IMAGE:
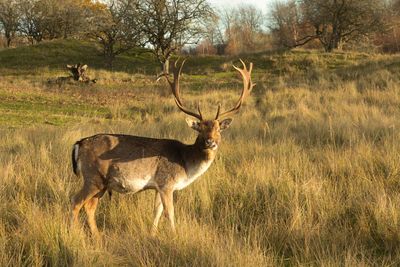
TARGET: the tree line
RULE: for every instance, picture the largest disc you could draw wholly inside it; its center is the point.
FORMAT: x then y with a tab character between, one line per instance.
168	25
116	25
332	24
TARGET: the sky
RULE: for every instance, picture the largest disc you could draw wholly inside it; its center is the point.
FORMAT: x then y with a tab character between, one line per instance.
261	4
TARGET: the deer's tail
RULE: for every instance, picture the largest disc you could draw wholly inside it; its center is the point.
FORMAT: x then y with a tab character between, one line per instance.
75	158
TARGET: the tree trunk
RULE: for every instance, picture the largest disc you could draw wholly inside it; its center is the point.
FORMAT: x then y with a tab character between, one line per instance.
327	48
166	66
109	55
8	38
334	40
110	59
332	44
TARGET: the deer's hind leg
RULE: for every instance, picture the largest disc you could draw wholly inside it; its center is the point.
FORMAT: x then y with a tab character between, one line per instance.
88	191
90	208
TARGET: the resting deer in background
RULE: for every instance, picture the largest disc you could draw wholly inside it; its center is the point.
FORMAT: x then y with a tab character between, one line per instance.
78	72
130	164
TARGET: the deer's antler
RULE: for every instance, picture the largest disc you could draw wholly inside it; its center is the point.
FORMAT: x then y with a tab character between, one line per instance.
247	87
175	90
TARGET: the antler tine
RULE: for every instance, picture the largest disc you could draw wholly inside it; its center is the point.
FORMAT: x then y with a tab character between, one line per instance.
177	73
244	65
247	87
218	110
198	109
188	112
175	90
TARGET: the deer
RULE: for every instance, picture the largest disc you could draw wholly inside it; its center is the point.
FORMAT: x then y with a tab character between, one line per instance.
78	72
131	164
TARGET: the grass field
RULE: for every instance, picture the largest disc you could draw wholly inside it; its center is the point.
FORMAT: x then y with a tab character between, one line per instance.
307	175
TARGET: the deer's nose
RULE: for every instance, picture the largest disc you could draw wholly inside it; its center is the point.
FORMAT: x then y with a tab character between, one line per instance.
209	142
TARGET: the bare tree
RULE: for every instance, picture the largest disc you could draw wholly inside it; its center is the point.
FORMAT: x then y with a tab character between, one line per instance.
213	39
390	41
331	22
228	18
74	15
250	20
116	28
51	19
9	19
41	19
169	25
32	20
212	30
243	29
285	22
339	21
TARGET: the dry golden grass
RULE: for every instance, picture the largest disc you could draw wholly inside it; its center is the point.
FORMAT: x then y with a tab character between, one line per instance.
307	175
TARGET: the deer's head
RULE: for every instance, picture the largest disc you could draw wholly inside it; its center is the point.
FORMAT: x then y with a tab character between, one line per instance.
209	131
77	71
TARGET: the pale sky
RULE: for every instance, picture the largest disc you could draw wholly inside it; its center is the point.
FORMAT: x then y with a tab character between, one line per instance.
261	4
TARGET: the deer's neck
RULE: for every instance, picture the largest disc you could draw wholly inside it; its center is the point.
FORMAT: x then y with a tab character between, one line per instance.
198	159
198	153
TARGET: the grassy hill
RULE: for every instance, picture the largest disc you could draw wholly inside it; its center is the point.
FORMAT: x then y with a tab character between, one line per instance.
308	174
54	55
26	70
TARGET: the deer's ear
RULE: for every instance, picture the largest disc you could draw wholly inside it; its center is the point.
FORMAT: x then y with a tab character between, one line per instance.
223	125
84	67
195	125
69	67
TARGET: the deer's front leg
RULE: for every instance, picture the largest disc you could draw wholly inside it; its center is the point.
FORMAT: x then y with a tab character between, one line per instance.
167	199
158	209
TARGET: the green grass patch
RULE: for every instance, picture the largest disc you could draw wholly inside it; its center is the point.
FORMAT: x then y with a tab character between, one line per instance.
55	55
19	109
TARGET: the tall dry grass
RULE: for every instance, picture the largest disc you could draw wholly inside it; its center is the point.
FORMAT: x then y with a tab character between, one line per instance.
307	175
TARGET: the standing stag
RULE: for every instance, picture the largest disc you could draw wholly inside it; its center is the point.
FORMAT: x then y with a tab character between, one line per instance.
130	164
